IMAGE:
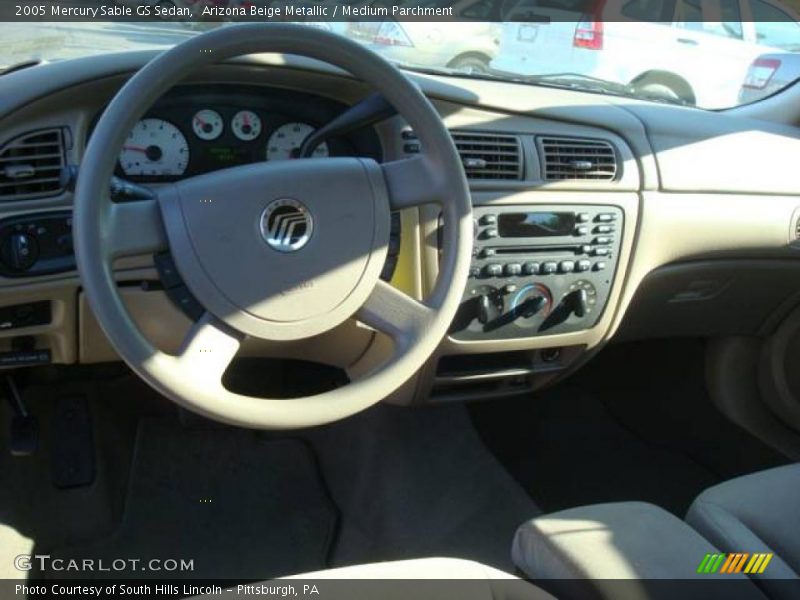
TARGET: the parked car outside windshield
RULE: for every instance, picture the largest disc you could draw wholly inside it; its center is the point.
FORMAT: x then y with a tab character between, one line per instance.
680	51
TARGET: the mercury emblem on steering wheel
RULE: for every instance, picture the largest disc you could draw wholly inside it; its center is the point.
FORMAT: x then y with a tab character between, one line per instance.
286	225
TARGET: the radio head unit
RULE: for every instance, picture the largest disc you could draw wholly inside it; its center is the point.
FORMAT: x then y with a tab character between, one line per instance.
541	270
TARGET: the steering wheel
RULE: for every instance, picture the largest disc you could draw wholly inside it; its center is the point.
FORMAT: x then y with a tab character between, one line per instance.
279	251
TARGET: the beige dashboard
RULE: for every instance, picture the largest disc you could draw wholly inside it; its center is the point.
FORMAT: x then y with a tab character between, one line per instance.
710	205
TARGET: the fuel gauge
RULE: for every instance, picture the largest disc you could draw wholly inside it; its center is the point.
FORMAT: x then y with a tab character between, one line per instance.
207	124
246	125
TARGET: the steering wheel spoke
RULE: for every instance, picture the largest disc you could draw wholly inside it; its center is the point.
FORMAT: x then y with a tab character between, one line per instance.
208	349
135	228
412	182
395	313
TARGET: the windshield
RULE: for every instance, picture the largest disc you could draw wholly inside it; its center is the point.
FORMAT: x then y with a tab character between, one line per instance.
710	54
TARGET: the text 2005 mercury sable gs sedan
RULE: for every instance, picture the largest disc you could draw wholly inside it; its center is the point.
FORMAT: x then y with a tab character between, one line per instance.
271	306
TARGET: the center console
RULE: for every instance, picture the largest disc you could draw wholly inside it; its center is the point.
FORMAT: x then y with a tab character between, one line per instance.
539	270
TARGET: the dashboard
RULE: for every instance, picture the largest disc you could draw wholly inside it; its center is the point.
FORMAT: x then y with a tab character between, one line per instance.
198	129
694	230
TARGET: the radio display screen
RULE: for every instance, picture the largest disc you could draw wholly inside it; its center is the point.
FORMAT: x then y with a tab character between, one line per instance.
535	224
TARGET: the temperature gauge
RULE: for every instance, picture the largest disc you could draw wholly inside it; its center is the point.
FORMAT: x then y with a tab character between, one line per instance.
246	125
207	124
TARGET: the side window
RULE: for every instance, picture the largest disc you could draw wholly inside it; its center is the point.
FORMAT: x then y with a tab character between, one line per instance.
689	15
775	28
643	10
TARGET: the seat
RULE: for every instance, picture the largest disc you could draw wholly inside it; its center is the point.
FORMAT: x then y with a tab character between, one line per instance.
423	579
757	513
621	549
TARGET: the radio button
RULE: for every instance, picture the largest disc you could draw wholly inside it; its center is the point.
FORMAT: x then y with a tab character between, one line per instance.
489	232
586	249
605	217
566	266
602	240
509	288
513	269
530	268
474	271
583	265
493	270
488	220
549	268
601	251
599	266
488	252
603	229
583	217
581	230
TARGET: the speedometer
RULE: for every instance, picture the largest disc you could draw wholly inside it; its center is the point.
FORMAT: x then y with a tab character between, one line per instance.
154	148
286	140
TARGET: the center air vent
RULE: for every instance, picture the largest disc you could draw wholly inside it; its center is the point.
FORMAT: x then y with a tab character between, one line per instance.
577	158
484	155
30	165
489	155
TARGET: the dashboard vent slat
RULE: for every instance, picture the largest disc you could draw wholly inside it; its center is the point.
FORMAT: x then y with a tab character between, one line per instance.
565	159
30	165
489	155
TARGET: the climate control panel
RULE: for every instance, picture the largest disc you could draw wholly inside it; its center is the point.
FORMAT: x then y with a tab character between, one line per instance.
539	270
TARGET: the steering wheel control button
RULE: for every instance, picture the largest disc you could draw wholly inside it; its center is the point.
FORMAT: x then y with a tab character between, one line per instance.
286	225
184	300
167	271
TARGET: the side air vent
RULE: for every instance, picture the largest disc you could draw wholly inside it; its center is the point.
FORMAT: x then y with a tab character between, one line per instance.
489	155
566	159
484	155
30	165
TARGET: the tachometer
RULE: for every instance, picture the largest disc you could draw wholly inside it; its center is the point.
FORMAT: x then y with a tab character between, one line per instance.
246	125
207	124
154	148
286	140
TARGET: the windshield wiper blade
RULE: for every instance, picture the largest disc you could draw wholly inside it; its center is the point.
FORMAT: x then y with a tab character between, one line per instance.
448	72
20	66
579	80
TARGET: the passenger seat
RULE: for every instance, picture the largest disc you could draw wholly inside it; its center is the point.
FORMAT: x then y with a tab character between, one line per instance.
757	513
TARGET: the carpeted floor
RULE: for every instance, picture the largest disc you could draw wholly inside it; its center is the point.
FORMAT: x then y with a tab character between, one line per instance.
389	483
634	424
239	506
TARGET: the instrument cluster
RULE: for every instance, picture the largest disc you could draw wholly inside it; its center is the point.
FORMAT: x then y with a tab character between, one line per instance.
198	129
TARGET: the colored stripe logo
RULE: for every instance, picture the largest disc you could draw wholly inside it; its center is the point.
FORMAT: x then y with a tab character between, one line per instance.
734	562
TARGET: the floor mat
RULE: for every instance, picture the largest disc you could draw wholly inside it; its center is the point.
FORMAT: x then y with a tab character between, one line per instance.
238	506
417	482
652	435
